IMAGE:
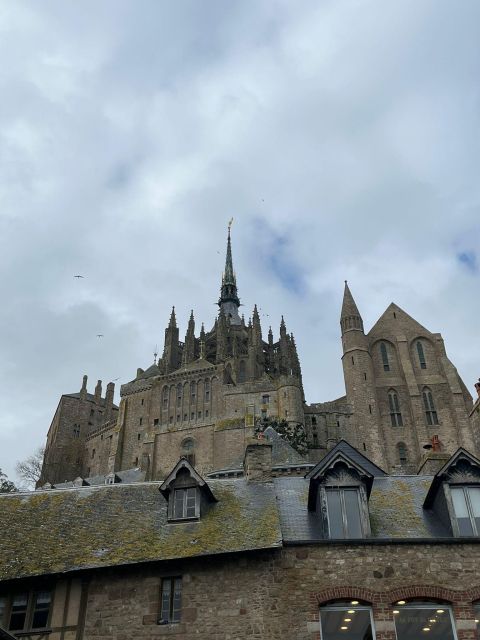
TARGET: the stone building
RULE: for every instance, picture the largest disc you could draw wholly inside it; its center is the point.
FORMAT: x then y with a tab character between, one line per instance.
204	396
345	551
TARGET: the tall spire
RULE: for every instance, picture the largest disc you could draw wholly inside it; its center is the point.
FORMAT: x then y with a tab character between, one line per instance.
229	301
350	317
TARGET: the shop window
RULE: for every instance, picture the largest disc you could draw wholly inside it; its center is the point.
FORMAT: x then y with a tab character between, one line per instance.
422	620
346	620
171	600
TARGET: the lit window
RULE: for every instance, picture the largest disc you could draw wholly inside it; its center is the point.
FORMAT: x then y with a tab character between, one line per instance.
345	620
343	510
430	411
25	611
423	619
476	609
185	503
395	413
384	354
466	504
421	355
171	600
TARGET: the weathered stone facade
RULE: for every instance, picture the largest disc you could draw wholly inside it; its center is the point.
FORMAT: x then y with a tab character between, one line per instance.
203	397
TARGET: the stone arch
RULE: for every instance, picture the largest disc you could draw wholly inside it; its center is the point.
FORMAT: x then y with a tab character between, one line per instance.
427	592
427	349
381	348
345	593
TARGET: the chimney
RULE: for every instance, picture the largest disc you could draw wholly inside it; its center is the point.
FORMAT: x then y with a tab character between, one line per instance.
109	400
98	392
477	387
83	390
257	464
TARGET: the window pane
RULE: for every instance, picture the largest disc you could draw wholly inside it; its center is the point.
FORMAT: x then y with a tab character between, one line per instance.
191	503
165	604
334	514
3	606
412	622
339	623
177	600
474	494
354	525
41	609
461	511
178	503
19	611
476	609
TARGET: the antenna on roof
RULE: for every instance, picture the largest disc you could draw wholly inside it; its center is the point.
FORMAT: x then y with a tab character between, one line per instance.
155	354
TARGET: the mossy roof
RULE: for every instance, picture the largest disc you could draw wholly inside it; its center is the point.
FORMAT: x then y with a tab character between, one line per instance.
87	527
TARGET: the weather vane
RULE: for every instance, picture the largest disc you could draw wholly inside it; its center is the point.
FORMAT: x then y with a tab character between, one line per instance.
155	354
230	224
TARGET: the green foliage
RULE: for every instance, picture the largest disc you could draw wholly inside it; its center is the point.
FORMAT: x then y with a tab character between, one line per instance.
6	486
292	433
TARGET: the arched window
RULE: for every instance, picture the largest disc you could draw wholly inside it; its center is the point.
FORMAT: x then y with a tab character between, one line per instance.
421	355
430	411
394	405
165	397
384	354
348	619
402	453
241	371
418	619
207	390
179	394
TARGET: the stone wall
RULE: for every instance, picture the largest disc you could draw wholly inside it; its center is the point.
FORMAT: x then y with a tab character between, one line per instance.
277	595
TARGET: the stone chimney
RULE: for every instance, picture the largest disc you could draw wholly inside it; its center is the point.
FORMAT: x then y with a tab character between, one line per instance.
432	462
83	390
257	464
109	400
98	392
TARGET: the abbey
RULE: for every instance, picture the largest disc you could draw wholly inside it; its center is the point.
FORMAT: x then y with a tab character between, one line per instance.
405	405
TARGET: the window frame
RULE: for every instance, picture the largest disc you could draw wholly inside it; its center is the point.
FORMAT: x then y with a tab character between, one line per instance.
344	514
431	413
396	418
421	355
384	356
173	515
454	517
30	609
171	581
346	607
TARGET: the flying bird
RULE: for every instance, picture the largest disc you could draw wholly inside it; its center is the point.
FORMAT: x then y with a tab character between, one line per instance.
78	276
99	335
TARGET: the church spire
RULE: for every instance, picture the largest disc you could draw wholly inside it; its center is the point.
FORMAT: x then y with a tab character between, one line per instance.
229	301
350	317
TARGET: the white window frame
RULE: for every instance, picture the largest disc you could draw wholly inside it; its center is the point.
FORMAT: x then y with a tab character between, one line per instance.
432	606
345	608
476	532
342	490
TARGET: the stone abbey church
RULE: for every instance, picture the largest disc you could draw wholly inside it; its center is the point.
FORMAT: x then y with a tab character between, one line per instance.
404	403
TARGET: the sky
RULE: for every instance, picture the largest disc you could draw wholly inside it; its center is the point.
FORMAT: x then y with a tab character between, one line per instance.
342	136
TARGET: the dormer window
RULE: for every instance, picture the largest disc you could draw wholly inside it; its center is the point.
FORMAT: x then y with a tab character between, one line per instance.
343	508
339	489
466	505
186	503
186	492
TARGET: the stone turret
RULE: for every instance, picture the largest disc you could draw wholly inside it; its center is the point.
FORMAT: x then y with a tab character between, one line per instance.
229	301
189	347
171	348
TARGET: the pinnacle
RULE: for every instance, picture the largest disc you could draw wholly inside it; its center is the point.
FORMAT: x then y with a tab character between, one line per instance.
173	320
349	308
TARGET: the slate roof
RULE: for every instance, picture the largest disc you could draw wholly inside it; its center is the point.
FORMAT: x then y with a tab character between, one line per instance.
127	476
353	454
63	530
395	507
282	452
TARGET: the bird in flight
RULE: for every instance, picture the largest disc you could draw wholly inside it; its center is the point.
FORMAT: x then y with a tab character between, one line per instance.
99	335
78	277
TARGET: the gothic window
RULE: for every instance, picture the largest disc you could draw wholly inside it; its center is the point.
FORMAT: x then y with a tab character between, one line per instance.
179	394
343	510
165	397
242	371
430	410
384	354
421	355
346	619
171	600
26	610
402	453
207	390
419	619
394	406
466	504
193	390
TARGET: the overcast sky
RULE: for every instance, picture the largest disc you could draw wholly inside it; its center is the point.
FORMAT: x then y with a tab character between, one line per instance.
341	135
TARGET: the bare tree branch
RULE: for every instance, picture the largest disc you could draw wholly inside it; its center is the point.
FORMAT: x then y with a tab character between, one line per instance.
29	470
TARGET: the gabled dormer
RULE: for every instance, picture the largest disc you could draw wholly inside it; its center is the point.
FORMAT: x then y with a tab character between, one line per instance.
187	493
454	494
339	490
